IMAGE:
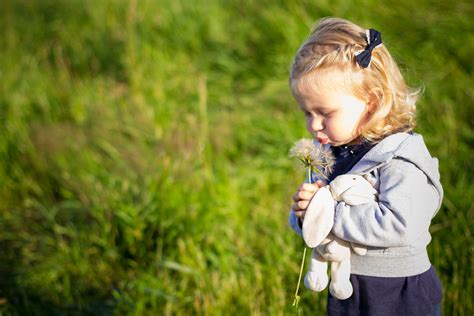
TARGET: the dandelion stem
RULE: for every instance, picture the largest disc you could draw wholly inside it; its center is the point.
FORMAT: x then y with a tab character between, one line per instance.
297	297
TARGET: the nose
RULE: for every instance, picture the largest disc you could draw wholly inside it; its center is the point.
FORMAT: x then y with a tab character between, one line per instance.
315	123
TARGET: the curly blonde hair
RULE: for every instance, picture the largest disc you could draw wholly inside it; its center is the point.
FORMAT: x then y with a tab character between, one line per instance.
332	45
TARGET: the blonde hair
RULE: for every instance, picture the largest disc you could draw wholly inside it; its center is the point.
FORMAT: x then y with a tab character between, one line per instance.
332	45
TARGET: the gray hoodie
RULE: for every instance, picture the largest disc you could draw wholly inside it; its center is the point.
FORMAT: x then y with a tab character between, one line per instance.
395	228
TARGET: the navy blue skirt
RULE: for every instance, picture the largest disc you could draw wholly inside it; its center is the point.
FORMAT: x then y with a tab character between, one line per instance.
415	295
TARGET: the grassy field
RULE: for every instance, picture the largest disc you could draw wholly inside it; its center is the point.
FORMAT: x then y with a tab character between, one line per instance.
143	151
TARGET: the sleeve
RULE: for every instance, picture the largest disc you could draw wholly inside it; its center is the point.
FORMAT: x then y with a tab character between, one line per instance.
406	203
295	223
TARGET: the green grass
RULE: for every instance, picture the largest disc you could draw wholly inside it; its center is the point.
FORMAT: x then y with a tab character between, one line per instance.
143	151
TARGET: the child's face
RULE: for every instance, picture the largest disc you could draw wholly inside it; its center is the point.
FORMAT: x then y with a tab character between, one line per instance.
333	116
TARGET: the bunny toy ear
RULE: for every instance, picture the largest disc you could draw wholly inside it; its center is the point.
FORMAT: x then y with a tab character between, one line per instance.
319	218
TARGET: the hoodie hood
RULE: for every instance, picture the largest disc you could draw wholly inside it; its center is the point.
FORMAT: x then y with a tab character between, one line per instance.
407	146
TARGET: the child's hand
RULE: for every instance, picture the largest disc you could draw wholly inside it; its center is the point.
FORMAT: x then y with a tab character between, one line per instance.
303	196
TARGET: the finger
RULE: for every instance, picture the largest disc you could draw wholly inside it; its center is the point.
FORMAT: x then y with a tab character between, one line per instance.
321	183
302	205
300	214
308	187
303	195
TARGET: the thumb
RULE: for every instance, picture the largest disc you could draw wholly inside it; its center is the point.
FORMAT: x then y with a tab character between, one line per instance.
320	183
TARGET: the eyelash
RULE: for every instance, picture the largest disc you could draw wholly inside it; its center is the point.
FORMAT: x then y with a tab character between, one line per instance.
326	114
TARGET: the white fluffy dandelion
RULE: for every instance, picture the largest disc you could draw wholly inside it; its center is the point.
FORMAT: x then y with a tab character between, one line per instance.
313	156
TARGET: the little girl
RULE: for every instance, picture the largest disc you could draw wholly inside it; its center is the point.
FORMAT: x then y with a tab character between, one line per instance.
355	100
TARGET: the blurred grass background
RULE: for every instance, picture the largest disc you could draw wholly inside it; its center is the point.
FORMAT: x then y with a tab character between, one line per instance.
143	151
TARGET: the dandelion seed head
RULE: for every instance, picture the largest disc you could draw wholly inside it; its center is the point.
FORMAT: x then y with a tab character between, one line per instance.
303	149
313	155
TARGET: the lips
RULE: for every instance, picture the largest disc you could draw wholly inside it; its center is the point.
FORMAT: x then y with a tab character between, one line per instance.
323	141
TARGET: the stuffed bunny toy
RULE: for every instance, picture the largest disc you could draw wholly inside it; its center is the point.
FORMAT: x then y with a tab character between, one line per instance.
317	224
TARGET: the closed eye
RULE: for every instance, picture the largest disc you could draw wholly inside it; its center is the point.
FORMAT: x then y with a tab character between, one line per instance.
327	114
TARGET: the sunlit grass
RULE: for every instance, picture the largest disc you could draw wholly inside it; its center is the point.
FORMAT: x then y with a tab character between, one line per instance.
144	147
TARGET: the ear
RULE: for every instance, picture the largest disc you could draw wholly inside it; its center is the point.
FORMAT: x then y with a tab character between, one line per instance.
319	217
371	103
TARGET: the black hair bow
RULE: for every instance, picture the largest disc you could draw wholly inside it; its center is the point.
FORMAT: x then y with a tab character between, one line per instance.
374	40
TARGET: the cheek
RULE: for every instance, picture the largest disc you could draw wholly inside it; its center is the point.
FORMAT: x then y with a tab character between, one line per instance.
336	122
350	121
353	119
342	127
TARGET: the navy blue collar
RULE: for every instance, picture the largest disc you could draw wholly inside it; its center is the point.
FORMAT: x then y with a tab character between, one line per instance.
351	150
